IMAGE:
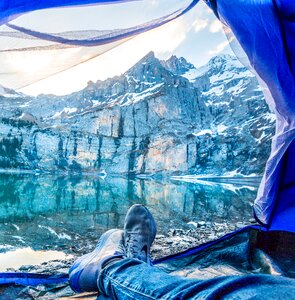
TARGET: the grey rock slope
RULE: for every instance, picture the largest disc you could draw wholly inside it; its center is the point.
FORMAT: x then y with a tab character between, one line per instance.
160	117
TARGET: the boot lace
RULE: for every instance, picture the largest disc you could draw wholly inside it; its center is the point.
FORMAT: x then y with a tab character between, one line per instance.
133	249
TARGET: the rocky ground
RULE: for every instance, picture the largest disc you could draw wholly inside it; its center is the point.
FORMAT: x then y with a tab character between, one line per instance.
174	241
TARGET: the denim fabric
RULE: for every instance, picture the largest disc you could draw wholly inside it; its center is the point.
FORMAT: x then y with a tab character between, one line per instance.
132	279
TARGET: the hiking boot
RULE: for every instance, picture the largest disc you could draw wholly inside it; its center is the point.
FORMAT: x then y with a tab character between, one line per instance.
139	233
86	269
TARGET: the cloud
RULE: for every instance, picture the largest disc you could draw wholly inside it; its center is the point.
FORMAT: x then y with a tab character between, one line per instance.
166	38
215	26
155	2
200	24
219	48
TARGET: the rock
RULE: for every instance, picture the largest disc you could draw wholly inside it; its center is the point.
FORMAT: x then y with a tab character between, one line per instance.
211	236
193	224
26	268
208	224
240	225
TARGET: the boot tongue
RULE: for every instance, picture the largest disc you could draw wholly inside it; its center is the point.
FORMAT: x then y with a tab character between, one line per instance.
111	260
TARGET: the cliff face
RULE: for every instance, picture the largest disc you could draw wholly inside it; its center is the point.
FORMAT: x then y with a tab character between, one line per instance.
164	117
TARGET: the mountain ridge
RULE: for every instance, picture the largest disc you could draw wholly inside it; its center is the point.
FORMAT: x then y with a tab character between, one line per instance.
159	117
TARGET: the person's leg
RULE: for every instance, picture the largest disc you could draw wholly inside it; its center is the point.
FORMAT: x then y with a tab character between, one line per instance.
120	268
85	270
132	279
135	242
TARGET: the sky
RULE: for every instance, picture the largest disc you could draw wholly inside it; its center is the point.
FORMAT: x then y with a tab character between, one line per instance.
197	36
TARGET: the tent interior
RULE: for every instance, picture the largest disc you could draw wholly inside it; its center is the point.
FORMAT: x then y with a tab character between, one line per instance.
31	52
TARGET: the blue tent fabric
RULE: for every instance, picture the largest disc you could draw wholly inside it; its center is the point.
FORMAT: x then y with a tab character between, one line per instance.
31	279
264	33
286	9
284	212
12	9
252	249
114	36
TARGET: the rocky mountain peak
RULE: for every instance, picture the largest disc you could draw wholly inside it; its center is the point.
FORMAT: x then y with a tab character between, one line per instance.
9	92
148	57
148	69
225	62
218	61
178	66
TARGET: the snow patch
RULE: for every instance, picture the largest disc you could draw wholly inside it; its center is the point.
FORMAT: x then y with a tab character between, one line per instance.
16	227
53	232
132	98
205	180
203	132
2	91
66	110
194	73
221	128
213	132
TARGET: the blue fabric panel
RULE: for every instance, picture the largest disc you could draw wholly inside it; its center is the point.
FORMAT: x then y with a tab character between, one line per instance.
204	246
10	9
284	216
15	7
289	169
266	38
284	213
115	36
31	279
286	9
290	42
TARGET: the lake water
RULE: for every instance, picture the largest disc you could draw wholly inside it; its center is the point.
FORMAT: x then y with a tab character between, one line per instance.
60	213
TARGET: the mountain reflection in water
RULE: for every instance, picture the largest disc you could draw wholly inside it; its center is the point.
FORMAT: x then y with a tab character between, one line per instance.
55	212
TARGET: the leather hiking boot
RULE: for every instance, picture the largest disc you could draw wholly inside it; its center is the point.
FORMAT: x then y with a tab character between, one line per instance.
139	233
86	269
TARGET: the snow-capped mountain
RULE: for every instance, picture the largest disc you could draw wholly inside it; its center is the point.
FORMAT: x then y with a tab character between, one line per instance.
158	117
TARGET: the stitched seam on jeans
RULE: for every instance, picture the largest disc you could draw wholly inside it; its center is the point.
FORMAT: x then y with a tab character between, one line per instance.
129	288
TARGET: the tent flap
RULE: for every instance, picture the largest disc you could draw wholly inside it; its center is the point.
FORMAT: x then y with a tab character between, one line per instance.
250	250
260	26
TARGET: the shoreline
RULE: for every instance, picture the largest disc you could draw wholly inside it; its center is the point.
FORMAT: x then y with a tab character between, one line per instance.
165	244
163	175
174	241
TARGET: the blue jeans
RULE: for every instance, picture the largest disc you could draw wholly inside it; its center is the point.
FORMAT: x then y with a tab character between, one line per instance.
132	279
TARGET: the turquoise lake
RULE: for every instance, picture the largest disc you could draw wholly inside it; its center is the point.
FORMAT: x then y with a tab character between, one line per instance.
61	213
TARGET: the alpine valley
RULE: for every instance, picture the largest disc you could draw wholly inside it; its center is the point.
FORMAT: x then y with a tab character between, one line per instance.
158	118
